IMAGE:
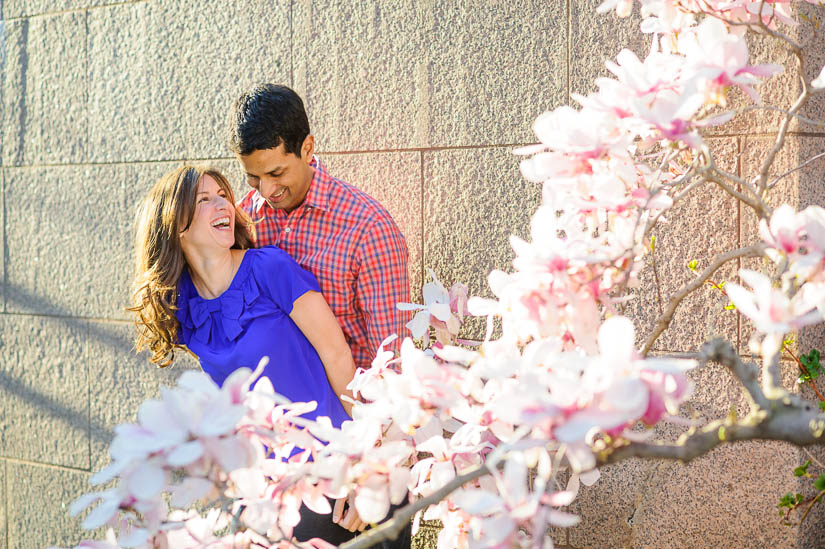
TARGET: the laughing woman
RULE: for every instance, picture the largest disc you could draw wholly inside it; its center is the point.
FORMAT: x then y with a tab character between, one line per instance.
201	286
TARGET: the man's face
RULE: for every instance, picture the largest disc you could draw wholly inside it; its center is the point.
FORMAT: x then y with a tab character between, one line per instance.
282	178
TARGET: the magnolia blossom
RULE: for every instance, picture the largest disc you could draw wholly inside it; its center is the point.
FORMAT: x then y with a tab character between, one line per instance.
771	310
719	59
563	373
442	309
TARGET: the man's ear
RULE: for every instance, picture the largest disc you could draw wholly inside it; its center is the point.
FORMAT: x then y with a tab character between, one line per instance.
308	148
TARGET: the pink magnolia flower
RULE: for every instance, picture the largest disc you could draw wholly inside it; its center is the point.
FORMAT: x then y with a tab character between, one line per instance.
785	231
623	7
442	309
771	311
717	59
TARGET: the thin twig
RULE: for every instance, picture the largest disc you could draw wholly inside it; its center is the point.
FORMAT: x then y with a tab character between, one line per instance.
813	502
789	172
804	370
777	109
390	529
656	280
797	106
813	458
665	319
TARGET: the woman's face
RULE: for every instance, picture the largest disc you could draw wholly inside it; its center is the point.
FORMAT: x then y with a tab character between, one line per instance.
213	225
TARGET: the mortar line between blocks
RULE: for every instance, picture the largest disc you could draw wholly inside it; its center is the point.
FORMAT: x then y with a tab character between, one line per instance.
88	393
5	238
87	146
569	48
223	158
421	202
738	238
102	320
6	499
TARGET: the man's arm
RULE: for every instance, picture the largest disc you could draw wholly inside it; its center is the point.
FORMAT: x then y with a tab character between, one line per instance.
382	283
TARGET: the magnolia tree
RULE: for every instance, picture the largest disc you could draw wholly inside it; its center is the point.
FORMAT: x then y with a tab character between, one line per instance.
477	435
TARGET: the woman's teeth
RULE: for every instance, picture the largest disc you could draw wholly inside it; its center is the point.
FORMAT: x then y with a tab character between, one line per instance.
222	223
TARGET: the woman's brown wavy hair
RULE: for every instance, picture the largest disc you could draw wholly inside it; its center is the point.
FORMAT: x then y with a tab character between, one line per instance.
166	212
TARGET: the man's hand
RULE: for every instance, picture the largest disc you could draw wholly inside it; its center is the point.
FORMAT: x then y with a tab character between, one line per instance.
344	514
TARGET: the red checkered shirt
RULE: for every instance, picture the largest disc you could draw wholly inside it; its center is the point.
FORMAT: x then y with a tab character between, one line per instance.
355	250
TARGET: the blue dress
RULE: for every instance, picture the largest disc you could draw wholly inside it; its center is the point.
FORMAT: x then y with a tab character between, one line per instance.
251	320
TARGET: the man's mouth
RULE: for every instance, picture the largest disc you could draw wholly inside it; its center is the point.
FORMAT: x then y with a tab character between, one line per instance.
277	197
221	223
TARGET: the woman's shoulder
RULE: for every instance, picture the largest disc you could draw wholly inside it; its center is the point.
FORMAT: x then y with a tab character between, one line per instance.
269	257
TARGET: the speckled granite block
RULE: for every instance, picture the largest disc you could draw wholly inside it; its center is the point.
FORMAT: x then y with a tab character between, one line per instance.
180	67
45	389
49	524
423	73
473	200
44	91
394	180
701	227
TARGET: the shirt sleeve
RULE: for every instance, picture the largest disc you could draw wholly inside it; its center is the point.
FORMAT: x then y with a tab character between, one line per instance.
282	277
382	282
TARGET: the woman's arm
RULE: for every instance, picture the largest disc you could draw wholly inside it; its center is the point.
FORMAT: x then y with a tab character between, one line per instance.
314	318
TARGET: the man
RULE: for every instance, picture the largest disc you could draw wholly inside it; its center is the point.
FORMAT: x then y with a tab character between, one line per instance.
334	230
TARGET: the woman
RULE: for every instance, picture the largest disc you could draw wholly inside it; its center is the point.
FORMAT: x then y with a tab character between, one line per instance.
200	286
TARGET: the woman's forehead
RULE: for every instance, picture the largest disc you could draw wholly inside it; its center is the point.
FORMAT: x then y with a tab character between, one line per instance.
207	183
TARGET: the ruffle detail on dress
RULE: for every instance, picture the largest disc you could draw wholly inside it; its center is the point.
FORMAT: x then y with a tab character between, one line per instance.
232	310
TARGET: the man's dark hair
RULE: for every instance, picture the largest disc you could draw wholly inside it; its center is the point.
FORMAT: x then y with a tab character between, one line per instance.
265	116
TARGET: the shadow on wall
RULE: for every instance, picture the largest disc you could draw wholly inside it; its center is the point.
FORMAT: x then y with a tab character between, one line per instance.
110	386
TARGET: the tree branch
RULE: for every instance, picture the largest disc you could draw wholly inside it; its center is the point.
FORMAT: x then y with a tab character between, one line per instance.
756	204
797	106
665	319
747	373
786	420
389	530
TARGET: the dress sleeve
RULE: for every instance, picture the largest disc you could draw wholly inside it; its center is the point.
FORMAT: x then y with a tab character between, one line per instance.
382	283
277	274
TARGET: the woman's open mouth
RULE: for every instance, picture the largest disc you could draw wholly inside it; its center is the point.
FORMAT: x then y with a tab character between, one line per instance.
222	223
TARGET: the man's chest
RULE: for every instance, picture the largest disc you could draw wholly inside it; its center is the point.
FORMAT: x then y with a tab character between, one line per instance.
325	246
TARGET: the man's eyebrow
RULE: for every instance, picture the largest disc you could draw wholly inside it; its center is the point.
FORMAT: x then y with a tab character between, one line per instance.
268	172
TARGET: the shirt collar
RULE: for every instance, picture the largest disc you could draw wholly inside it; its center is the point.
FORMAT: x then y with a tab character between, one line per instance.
317	194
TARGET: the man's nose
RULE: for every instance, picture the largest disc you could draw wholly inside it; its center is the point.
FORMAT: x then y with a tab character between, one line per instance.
265	187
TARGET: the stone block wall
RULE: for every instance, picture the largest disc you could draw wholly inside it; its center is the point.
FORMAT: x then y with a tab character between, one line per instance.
418	102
